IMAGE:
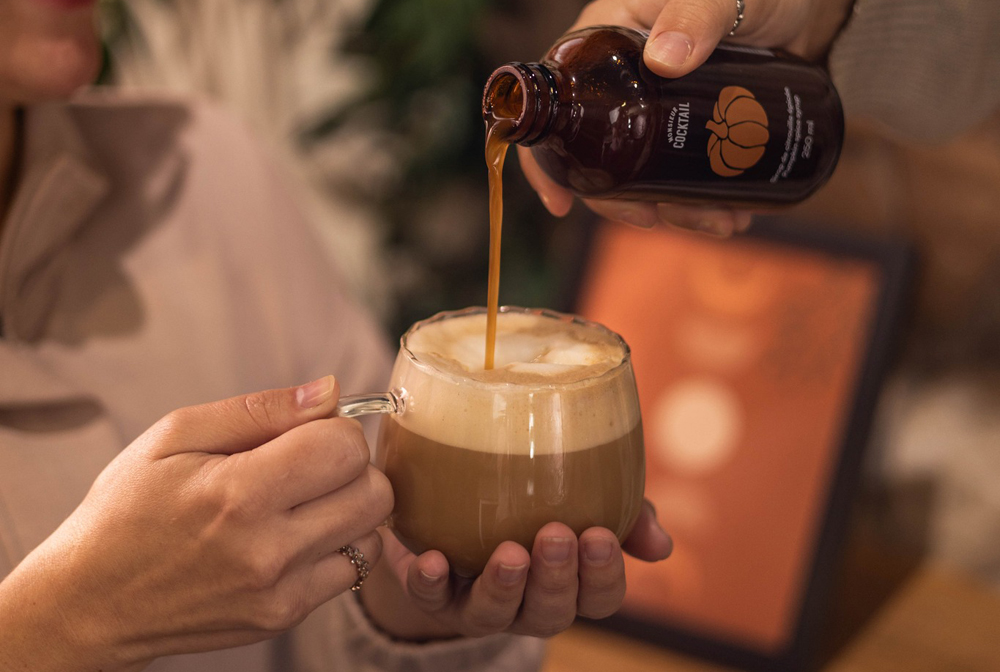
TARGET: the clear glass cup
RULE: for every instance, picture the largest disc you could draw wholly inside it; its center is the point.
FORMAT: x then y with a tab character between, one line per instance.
474	463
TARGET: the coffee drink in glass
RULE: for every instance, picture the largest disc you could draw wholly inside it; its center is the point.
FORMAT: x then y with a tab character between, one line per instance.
477	457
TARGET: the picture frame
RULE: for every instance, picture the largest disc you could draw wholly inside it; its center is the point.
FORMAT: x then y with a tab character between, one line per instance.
783	634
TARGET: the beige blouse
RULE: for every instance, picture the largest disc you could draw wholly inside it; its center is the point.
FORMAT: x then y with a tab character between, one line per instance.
152	259
925	70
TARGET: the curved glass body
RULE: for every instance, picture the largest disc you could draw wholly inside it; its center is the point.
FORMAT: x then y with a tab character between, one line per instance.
476	462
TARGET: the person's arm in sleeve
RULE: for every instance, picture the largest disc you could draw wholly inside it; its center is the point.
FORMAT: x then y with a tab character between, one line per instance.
341	636
923	69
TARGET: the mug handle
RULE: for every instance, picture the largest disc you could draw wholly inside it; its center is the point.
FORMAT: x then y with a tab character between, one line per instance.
366	404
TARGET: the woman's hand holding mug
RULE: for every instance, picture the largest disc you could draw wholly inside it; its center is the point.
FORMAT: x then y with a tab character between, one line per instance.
538	594
483	461
219	526
223	524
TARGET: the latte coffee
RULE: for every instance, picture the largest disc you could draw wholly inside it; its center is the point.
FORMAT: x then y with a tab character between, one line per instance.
551	433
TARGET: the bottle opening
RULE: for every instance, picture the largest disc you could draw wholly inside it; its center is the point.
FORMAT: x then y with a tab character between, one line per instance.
504	98
517	101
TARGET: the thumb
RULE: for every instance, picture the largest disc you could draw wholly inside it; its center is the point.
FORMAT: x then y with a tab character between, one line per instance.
648	541
242	423
686	32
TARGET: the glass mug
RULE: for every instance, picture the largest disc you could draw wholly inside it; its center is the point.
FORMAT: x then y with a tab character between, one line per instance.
479	457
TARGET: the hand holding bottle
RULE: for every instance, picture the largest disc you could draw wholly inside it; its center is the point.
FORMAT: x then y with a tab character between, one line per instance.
682	35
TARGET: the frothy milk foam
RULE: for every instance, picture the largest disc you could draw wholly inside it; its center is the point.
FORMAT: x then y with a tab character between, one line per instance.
556	385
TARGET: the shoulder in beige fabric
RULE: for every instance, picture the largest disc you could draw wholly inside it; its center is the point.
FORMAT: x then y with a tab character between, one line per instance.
926	70
152	259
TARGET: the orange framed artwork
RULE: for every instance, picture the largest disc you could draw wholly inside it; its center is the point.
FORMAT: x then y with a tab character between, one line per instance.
758	362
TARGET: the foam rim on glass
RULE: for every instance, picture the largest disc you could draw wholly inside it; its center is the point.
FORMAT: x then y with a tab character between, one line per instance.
430	369
394	401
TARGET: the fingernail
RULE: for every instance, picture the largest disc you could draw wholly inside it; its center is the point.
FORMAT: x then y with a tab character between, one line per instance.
555	551
669	543
636	215
511	576
714	228
429	579
670	49
667	212
742	220
597	551
315	393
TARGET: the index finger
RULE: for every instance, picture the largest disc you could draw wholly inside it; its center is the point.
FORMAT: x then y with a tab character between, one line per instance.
638	14
241	423
557	200
682	33
304	463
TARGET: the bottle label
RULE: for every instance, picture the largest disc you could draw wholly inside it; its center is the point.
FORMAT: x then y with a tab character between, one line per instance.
799	137
739	132
679	125
742	133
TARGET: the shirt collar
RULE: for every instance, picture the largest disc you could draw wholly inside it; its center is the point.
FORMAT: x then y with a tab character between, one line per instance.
61	186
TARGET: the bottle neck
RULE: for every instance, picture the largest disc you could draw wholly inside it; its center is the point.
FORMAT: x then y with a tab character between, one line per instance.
519	102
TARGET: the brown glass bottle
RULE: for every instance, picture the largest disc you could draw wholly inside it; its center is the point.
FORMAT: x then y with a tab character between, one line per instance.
746	128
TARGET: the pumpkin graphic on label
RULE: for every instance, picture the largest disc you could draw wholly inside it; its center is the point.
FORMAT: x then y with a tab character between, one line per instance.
739	132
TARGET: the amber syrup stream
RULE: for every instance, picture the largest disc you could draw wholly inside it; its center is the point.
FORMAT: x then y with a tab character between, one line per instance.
501	109
496	152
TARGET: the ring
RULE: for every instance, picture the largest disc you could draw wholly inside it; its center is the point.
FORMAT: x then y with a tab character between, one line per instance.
741	5
357	559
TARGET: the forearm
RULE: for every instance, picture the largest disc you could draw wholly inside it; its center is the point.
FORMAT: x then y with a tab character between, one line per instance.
348	640
41	631
33	635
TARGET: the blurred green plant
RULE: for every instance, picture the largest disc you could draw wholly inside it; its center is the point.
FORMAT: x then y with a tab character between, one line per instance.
428	69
